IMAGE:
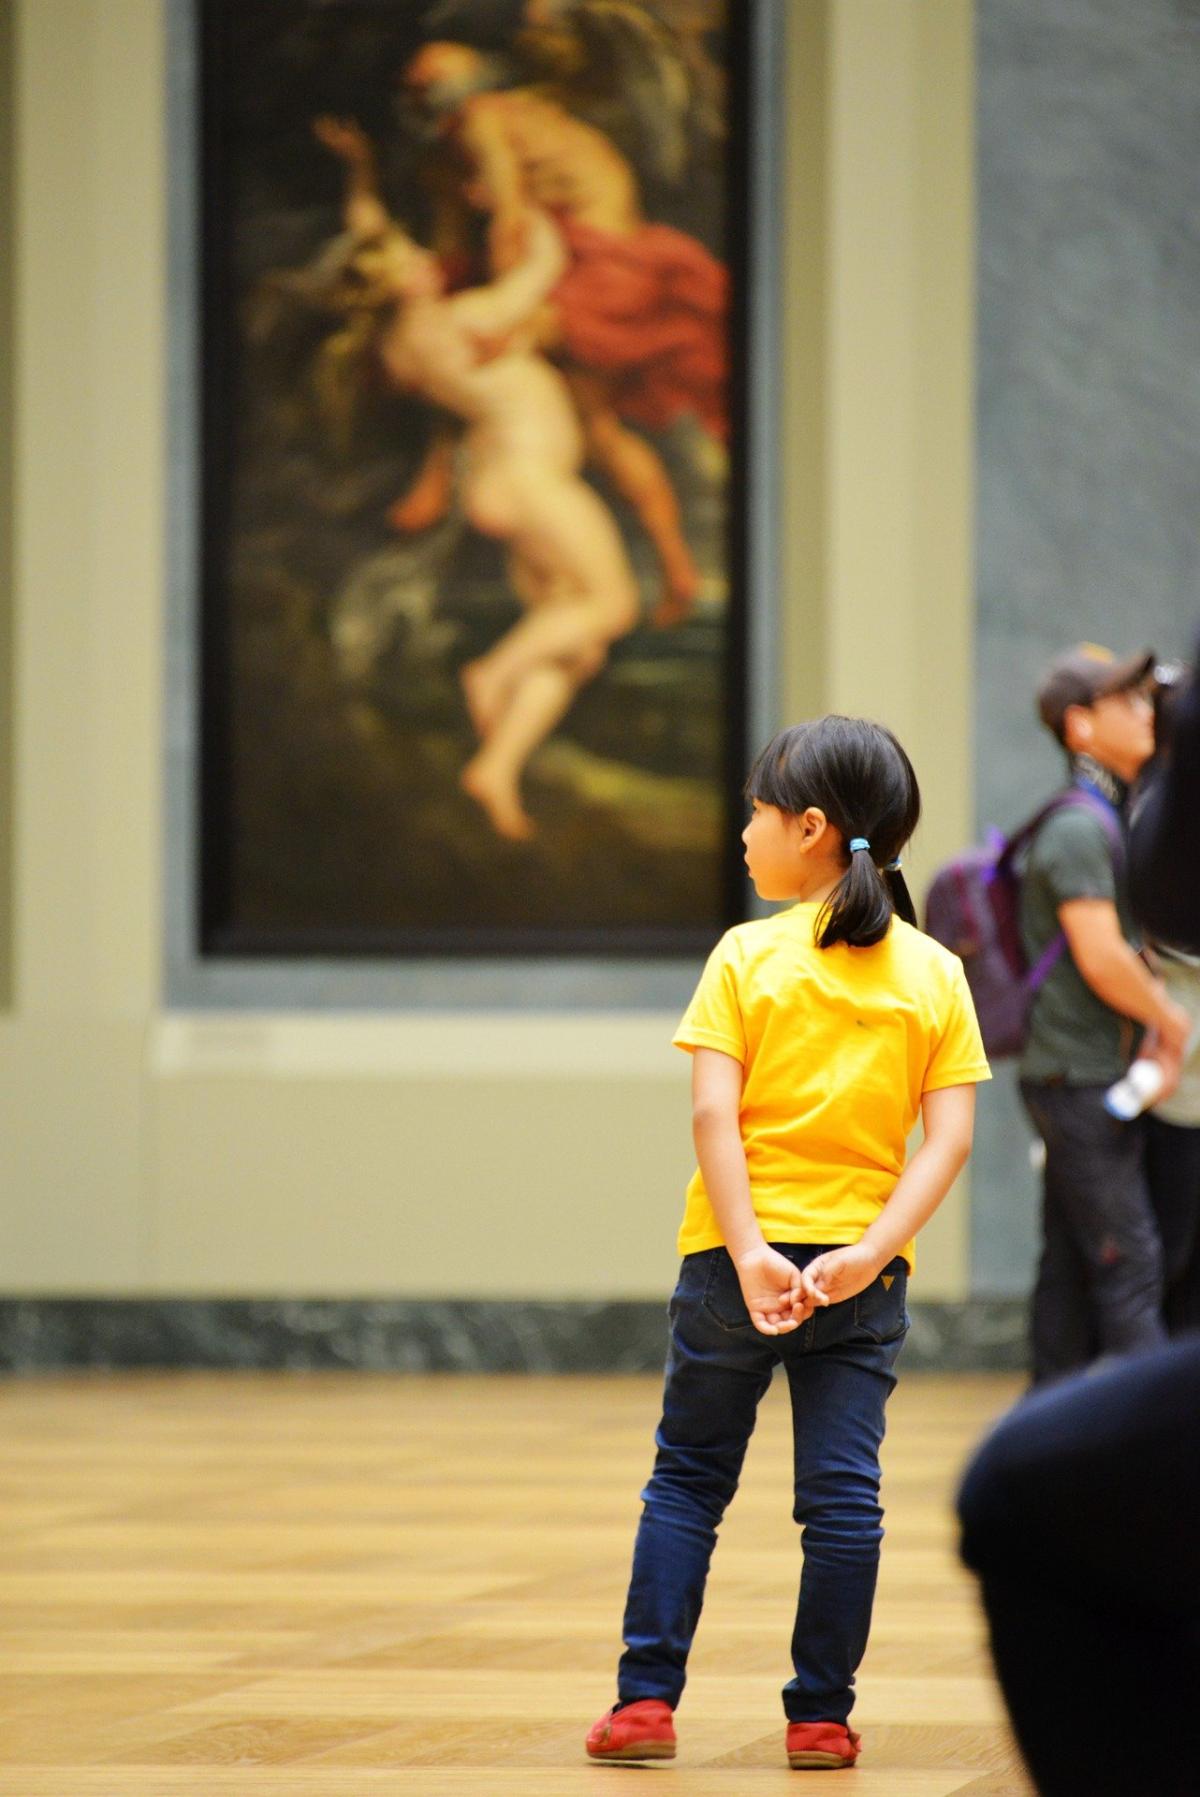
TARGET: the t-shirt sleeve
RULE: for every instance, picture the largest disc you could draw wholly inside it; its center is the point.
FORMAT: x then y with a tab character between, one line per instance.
958	1058
1073	858
714	1017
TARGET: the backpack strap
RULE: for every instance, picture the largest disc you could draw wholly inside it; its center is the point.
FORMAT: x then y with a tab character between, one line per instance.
1021	838
1046	962
1053	952
1101	809
1070	795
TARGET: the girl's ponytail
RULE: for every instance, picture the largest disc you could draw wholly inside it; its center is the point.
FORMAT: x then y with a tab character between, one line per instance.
859	776
859	909
901	898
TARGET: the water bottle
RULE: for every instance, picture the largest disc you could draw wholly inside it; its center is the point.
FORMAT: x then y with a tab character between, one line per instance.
1135	1091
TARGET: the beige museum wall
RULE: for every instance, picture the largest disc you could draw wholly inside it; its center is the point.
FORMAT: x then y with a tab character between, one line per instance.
150	1152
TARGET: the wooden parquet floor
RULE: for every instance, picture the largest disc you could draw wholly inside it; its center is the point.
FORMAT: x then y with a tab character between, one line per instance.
290	1585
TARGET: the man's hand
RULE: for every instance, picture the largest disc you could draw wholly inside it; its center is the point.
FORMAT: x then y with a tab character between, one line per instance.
840	1274
771	1287
1173	1030
1156	1047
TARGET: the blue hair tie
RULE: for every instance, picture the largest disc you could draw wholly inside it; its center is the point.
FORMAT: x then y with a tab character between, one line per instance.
857	843
893	867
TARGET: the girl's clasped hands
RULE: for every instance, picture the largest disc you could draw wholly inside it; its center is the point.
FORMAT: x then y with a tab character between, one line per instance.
781	1296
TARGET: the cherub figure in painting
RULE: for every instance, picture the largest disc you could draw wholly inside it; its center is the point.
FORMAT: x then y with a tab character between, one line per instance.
638	316
474	353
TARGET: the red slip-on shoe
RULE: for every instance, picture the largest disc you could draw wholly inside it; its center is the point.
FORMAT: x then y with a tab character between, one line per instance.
641	1731
821	1746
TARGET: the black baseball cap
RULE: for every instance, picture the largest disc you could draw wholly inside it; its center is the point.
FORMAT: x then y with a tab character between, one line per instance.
1088	672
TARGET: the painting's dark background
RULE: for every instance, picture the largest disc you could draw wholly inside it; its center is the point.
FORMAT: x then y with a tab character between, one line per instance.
331	816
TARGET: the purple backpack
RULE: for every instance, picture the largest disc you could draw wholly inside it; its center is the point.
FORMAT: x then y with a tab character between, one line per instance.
972	907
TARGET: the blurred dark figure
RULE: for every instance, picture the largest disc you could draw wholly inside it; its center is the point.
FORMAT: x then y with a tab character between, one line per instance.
1079	1512
1165	847
1172	1126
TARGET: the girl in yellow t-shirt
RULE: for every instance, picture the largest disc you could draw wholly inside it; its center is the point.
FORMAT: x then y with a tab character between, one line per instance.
818	1035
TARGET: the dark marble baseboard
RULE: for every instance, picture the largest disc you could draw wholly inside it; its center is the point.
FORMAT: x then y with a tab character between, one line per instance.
423	1335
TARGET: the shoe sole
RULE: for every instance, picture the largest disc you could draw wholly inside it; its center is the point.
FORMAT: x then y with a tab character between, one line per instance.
818	1762
646	1750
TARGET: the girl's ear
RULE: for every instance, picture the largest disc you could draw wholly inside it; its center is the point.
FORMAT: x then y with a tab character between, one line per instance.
814	827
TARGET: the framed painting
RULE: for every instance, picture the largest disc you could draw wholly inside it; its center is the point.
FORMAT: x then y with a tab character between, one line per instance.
474	283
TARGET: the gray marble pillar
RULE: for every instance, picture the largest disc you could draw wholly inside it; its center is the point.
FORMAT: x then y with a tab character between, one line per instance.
1088	432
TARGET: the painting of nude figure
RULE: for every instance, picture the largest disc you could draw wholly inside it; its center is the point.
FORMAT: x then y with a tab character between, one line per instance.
472	357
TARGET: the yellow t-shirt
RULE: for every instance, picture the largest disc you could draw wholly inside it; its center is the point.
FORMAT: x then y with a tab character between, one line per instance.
837	1046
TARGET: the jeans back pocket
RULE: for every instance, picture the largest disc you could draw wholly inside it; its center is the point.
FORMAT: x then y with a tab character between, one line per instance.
723	1293
880	1311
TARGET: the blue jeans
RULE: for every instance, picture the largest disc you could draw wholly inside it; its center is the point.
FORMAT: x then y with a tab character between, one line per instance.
839	1370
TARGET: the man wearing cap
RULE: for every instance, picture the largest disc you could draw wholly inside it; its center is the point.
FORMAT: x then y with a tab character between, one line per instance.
1099	1282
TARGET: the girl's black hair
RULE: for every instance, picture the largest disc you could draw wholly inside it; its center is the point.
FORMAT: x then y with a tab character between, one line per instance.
859	776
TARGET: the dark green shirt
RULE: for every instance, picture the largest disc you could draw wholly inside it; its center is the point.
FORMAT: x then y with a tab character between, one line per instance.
1073	1036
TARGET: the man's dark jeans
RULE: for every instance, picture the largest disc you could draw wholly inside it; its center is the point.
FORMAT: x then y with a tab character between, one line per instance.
1079	1515
839	1370
1099	1281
